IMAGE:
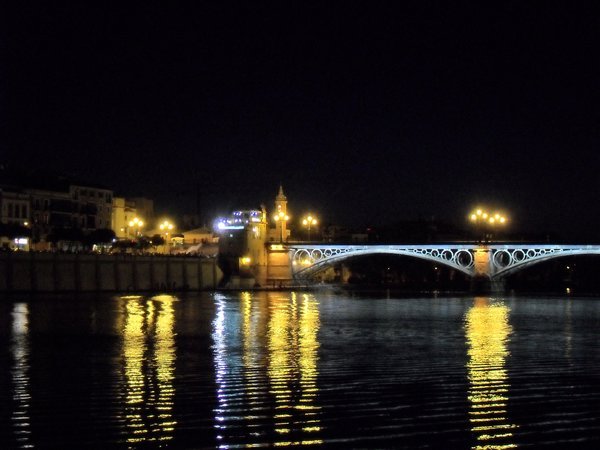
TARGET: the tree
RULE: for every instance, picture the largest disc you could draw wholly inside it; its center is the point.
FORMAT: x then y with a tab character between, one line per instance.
144	243
157	240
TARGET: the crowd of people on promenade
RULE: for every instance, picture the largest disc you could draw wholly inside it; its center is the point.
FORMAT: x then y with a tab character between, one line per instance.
117	252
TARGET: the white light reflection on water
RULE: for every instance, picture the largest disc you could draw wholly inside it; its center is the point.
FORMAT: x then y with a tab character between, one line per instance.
21	420
220	356
279	331
149	369
487	332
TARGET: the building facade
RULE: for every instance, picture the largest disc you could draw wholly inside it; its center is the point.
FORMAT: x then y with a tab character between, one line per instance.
125	212
54	207
94	206
15	207
15	220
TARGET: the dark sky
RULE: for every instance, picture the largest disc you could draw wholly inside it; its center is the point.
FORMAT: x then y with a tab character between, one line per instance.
367	112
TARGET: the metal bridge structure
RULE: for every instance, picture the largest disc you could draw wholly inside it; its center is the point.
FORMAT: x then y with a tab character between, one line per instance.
494	261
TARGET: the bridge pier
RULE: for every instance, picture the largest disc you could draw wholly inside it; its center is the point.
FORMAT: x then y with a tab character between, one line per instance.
498	285
482	262
483	284
480	284
279	269
482	280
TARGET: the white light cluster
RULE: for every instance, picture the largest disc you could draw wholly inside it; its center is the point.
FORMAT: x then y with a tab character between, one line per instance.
238	220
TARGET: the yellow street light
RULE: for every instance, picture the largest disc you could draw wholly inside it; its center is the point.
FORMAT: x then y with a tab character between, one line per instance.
485	217
166	227
308	222
282	218
136	223
485	220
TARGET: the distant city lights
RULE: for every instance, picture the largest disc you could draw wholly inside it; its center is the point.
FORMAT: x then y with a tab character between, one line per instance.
238	220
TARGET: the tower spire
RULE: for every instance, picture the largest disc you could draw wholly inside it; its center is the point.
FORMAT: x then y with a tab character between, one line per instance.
280	195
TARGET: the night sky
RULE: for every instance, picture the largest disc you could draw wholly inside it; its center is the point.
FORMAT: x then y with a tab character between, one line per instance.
367	112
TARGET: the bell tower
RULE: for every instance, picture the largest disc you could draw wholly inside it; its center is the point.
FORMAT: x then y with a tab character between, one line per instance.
279	269
281	217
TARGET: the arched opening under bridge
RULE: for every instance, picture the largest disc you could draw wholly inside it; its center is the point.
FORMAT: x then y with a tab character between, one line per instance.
395	271
484	264
574	274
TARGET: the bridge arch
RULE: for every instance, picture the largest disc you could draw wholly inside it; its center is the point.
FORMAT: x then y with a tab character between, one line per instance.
495	261
311	259
507	261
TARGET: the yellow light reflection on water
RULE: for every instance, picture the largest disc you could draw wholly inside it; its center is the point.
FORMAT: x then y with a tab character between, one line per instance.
133	351
251	355
309	346
279	367
149	369
293	355
487	332
164	357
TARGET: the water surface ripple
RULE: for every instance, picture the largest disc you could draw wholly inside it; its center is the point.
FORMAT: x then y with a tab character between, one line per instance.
296	369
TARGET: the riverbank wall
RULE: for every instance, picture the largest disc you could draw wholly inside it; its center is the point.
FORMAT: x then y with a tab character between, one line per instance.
63	272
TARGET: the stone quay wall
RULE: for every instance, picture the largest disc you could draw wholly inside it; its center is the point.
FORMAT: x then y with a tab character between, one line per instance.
63	272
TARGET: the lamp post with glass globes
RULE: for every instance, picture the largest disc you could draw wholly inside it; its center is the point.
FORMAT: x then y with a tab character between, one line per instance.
136	224
280	219
165	228
485	222
308	222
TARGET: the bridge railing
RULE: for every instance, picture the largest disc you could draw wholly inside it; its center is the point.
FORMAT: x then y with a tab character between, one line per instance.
494	260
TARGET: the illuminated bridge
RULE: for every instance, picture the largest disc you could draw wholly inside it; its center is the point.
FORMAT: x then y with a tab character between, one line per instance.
494	261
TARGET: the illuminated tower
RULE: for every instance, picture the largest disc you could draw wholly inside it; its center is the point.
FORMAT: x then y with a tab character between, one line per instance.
281	216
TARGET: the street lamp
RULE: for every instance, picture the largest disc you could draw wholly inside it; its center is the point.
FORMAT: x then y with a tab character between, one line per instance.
308	222
165	228
136	224
281	218
486	221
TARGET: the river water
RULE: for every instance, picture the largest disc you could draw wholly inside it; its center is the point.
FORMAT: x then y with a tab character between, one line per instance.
321	369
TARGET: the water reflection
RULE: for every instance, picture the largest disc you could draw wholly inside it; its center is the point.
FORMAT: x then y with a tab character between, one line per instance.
252	357
149	364
20	418
487	333
292	366
568	330
267	341
220	352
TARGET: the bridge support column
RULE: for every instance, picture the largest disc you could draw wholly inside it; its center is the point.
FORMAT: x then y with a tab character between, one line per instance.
487	285
481	282
260	274
279	268
482	262
498	285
